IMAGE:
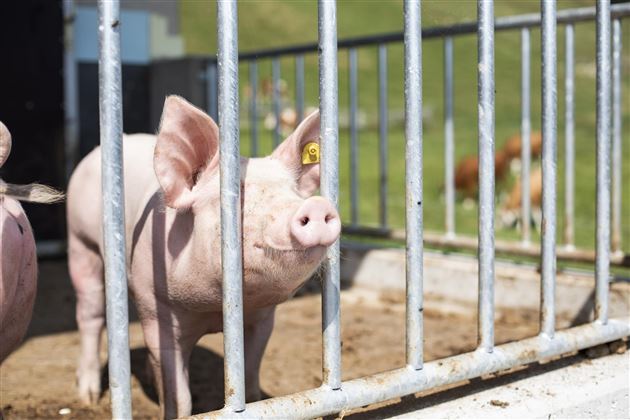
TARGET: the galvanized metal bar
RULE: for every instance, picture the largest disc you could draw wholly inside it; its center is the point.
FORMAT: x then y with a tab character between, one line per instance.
112	180
602	229
354	134
549	131
299	86
569	137
617	175
211	89
70	90
383	128
329	186
449	141
230	172
501	24
526	132
413	181
253	107
405	381
485	15
275	76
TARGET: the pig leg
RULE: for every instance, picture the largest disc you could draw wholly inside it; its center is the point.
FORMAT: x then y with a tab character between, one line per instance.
169	356
86	271
256	338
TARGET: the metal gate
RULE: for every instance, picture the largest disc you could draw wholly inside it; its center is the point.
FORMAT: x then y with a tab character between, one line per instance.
334	395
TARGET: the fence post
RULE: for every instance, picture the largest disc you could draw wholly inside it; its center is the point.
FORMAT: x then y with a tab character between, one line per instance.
230	172
253	114
617	174
354	146
413	182
329	186
526	132
449	140
602	259
569	138
114	249
485	13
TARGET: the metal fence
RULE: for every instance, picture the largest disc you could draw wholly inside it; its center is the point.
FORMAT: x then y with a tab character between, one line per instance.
334	395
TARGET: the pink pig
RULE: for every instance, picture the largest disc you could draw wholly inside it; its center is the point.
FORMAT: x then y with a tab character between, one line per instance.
18	259
174	244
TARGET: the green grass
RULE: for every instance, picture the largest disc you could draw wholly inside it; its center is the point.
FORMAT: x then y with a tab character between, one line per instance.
266	24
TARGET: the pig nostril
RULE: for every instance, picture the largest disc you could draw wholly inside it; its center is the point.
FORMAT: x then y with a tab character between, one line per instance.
328	218
304	221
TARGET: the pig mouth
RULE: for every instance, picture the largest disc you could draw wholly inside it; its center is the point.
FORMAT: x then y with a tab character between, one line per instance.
288	250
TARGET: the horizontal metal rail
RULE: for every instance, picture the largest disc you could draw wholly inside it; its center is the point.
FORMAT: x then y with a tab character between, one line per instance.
465	28
501	246
405	381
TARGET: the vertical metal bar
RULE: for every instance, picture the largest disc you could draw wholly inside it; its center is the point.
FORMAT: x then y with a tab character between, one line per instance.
329	186
413	182
549	130
354	147
526	132
485	17
299	86
110	107
449	142
231	255
602	259
616	152
70	90
569	137
275	76
253	114
211	89
382	130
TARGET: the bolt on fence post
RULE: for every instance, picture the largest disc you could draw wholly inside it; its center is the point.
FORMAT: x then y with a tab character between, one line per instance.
526	132
413	182
354	147
329	186
383	127
569	138
211	88
114	249
299	87
485	13
253	114
70	90
617	175
549	130
602	259
449	142
230	181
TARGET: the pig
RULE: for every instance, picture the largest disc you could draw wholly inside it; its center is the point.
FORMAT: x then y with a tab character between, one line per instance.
467	173
174	244
18	258
513	146
510	210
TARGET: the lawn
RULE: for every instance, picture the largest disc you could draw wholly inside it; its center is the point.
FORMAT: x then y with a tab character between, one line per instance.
266	24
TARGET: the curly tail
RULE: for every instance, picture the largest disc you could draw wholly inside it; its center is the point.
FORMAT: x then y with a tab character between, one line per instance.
33	193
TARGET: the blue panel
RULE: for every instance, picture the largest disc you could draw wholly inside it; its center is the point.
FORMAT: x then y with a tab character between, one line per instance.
134	35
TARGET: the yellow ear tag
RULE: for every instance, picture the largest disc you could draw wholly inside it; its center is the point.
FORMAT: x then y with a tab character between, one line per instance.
310	153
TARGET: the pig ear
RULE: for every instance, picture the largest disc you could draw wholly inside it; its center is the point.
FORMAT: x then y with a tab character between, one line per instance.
301	156
186	145
5	143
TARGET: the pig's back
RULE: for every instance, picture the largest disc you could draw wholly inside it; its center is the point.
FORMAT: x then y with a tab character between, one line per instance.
85	193
18	275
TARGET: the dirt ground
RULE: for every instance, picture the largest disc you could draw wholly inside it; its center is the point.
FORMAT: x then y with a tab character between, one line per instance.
37	381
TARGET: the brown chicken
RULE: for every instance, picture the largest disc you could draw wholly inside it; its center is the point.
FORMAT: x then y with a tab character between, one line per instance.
513	145
511	208
467	173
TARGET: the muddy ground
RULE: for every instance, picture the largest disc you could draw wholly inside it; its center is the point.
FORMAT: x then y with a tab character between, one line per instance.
37	381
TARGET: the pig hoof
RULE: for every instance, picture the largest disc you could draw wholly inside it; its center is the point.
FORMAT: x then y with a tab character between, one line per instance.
89	384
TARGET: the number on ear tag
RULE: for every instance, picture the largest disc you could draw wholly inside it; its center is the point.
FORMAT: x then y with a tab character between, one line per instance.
310	153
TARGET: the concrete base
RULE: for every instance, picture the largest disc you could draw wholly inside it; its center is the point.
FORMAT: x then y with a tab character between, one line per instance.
585	388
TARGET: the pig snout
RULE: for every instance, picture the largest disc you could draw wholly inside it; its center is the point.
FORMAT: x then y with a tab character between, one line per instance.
315	223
